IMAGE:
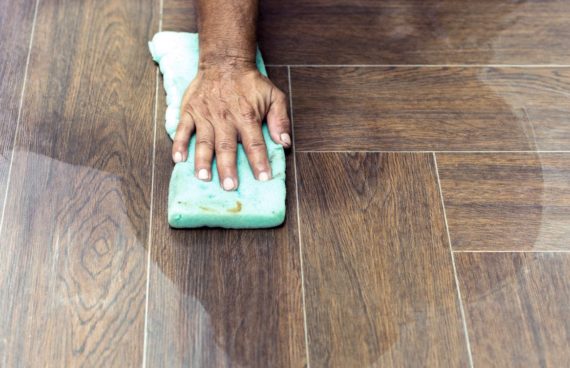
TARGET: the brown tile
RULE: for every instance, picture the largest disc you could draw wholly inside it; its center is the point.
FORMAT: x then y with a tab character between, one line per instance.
507	201
431	108
16	20
73	260
179	16
379	285
517	308
415	32
221	298
404	31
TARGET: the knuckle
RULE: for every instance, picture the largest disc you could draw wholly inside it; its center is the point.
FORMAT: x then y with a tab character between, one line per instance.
224	114
180	138
281	96
255	146
205	142
187	109
283	122
249	116
178	147
225	145
183	128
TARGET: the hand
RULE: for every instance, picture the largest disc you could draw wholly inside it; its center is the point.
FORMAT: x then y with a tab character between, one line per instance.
224	105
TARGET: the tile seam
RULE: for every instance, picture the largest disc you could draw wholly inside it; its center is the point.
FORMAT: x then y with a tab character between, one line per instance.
456	277
151	210
298	220
19	116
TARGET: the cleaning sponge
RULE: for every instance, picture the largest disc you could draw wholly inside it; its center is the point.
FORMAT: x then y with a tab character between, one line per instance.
195	203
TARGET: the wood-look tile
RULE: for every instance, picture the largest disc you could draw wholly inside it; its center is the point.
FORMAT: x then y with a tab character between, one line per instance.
507	201
517	308
379	284
73	260
16	20
221	298
404	31
431	108
415	32
179	16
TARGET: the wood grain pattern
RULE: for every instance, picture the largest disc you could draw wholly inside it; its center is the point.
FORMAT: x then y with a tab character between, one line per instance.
415	32
379	286
439	108
507	201
16	20
179	16
404	31
73	260
517	308
221	298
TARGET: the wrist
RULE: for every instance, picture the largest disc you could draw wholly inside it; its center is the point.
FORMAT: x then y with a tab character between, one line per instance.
224	62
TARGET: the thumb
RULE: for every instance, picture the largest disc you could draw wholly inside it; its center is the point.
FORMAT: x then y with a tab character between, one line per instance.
278	120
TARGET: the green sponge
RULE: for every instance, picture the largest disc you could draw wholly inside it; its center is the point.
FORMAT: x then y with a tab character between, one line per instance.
195	203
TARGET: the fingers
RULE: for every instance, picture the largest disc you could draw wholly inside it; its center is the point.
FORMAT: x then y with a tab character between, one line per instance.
226	146
278	120
204	151
255	150
182	137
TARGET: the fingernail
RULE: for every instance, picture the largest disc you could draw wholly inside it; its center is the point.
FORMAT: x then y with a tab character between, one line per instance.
285	138
203	174
178	157
228	184
263	176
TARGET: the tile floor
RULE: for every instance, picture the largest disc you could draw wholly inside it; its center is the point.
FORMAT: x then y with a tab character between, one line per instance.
428	210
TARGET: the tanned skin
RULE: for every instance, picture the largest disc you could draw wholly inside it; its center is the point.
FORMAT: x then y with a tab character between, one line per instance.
229	98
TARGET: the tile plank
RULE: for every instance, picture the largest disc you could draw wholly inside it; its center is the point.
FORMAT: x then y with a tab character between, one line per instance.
404	31
224	297
379	285
507	201
415	32
517	308
431	108
179	16
73	260
16	20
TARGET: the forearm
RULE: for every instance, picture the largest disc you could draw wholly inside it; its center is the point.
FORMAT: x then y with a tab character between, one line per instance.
227	31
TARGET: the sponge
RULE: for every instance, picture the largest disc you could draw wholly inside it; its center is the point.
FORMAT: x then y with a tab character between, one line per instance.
192	202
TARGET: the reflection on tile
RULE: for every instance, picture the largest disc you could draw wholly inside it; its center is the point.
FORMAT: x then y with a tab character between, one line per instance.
507	201
15	27
72	268
404	31
517	308
379	286
415	32
4	168
431	108
224	298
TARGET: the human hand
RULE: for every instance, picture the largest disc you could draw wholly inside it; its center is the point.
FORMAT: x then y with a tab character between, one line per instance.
225	105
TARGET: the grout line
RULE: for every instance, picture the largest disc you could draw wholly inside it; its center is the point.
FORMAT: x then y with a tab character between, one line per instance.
513	251
430	152
458	289
18	118
298	219
149	242
420	65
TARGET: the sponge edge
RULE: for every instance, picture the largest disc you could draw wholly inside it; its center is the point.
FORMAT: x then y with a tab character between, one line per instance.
194	203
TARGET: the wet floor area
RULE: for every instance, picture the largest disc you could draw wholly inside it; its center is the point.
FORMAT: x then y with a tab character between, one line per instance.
428	192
